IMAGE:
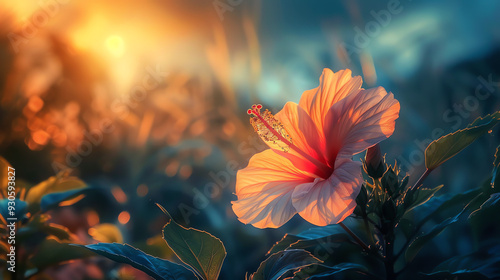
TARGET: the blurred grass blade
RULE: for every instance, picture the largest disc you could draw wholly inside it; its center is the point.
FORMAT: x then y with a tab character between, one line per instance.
200	250
449	145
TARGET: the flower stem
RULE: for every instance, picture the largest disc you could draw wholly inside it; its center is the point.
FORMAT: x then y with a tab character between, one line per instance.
353	235
368	231
389	256
421	179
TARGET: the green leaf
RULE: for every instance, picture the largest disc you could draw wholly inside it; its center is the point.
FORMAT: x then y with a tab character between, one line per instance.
52	252
154	267
339	271
390	182
280	263
449	145
420	241
389	210
483	226
362	198
421	196
407	226
54	184
198	249
492	202
445	205
284	243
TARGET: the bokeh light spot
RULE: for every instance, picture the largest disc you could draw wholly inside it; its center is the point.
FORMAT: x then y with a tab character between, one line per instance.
119	195
124	217
142	190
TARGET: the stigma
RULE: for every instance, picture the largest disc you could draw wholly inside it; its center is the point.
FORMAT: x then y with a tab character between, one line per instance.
269	128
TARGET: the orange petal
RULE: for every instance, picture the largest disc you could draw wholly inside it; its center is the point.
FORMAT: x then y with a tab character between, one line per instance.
264	190
325	202
360	121
333	87
303	131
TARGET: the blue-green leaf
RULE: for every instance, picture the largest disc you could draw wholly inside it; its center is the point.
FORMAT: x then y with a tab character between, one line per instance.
459	275
421	196
315	233
154	267
421	240
339	271
200	250
485	261
449	145
280	263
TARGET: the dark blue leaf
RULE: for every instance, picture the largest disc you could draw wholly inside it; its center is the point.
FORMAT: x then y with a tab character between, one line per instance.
459	275
51	200
485	261
280	263
333	234
340	271
154	267
421	240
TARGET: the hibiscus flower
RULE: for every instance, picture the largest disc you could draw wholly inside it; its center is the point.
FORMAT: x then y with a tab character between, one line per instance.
309	168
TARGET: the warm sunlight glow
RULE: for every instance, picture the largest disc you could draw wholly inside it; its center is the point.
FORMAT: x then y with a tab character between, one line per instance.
115	45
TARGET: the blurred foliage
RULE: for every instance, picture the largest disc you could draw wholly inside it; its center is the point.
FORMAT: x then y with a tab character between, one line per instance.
172	146
26	224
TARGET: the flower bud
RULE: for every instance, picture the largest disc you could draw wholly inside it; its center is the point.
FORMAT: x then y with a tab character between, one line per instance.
374	162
